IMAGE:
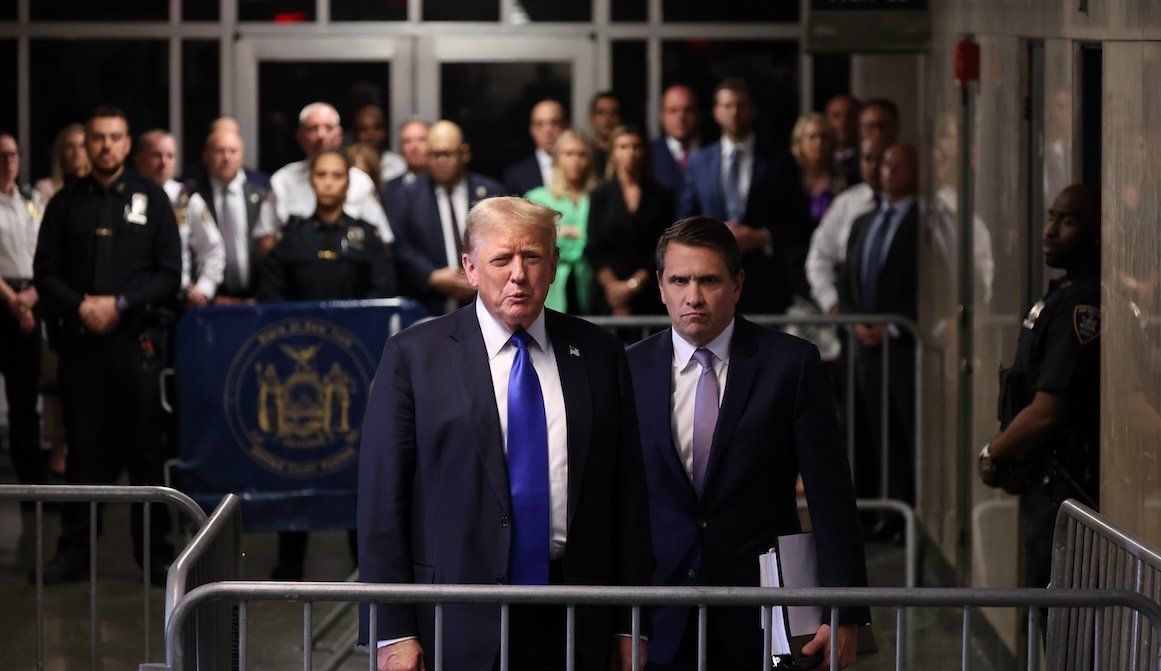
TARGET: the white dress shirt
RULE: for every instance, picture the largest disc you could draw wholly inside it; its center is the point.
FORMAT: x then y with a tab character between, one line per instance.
200	241
828	243
391	165
686	373
233	197
745	165
677	150
291	195
544	160
19	226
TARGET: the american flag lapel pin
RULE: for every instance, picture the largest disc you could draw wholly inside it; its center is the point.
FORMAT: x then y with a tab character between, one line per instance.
573	351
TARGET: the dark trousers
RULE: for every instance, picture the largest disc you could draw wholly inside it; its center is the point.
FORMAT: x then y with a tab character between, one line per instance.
900	405
537	634
292	547
20	366
719	656
110	398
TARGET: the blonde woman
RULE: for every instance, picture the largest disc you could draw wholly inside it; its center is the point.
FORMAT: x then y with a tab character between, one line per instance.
69	161
813	143
568	193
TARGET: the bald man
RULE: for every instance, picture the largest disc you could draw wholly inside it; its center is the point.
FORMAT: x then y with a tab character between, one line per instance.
195	173
545	124
235	203
430	222
319	128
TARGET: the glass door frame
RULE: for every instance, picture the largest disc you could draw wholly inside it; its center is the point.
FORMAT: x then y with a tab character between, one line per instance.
249	52
581	53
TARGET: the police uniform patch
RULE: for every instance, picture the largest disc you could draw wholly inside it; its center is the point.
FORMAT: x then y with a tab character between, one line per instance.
1086	323
138	204
355	237
1033	315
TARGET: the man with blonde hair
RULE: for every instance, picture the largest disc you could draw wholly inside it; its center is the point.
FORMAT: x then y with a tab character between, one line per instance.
501	447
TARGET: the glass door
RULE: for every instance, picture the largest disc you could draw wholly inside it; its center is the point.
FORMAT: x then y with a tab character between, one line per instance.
488	85
276	77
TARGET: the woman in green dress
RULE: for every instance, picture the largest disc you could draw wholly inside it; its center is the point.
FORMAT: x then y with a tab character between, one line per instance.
568	193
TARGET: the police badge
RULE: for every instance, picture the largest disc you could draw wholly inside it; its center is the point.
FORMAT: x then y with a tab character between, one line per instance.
135	212
1086	323
355	237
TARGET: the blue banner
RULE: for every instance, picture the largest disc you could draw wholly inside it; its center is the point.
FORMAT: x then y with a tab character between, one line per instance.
271	400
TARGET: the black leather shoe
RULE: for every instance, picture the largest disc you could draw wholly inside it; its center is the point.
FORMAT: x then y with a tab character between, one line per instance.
61	569
286	572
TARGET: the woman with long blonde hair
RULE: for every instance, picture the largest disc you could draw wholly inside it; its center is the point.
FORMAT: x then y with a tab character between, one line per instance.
568	193
69	161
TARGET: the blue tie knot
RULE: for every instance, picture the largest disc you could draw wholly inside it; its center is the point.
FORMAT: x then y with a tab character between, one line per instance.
703	357
521	339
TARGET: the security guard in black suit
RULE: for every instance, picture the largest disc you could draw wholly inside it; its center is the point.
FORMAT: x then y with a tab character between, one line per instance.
329	256
107	258
1049	409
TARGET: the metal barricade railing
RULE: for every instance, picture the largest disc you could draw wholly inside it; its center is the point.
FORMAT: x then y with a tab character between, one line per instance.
644	325
702	598
95	495
213	554
1090	553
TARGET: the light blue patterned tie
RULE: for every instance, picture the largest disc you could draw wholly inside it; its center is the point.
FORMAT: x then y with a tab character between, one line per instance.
733	194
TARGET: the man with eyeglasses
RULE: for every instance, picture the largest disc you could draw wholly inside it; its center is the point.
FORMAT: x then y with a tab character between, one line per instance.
430	225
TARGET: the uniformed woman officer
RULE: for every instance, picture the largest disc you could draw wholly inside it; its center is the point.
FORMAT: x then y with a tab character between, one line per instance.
328	256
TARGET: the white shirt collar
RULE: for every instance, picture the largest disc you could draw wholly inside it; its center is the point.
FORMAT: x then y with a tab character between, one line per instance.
462	184
898	207
746	145
683	349
231	186
496	334
678	149
543	157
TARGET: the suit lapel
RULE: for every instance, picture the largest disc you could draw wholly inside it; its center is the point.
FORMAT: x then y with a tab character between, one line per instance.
578	405
206	191
739	385
433	225
253	196
657	407
855	254
472	362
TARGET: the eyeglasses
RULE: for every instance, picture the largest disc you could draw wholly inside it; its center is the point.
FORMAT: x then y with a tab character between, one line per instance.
445	155
8	156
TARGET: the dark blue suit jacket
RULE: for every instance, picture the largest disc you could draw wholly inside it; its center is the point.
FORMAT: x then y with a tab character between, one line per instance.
777	420
666	171
434	502
523	176
776	202
419	242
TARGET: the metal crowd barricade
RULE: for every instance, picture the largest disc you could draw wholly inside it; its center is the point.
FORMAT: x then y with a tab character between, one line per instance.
95	495
1090	553
213	554
1101	601
644	325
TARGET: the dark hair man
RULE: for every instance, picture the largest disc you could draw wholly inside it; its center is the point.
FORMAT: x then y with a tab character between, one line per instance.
108	253
721	457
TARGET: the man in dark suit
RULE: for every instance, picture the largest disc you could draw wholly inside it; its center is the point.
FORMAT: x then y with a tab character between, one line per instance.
431	220
501	447
730	414
545	125
881	275
413	149
842	112
671	151
234	202
756	191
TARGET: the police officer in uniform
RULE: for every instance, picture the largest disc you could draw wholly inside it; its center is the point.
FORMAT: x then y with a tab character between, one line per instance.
328	256
1049	409
20	213
107	257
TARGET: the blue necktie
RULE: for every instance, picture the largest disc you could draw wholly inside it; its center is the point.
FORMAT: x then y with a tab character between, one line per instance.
733	192
875	259
527	469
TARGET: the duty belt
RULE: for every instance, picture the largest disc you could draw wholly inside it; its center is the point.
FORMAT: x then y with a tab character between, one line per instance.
17	285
